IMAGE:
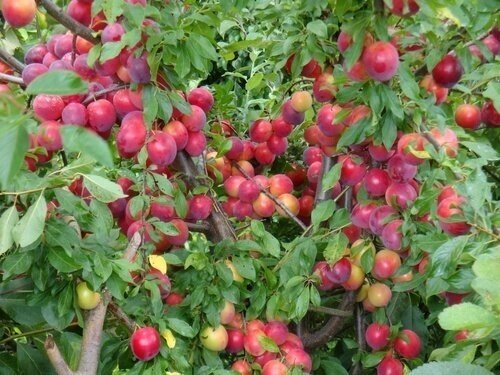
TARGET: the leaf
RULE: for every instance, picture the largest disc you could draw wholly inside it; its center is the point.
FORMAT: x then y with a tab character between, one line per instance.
302	304
32	361
335	248
268	344
483	149
181	327
331	366
354	134
58	82
81	140
318	27
466	316
61	261
331	177
226	25
7	222
445	258
407	80
254	81
323	211
14	143
16	264
31	225
102	189
245	267
450	368
493	92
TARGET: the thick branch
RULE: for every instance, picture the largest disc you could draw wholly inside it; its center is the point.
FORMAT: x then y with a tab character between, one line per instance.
63	18
273	198
133	245
56	357
11	61
92	334
333	326
357	368
195	227
220	227
330	311
326	165
12	79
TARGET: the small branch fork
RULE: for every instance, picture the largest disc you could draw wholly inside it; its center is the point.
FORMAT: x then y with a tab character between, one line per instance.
92	331
219	227
338	317
11	61
273	198
64	19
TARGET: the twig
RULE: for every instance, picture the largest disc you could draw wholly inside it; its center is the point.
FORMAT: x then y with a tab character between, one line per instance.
11	61
133	245
357	368
320	337
65	20
220	227
11	79
120	314
97	94
30	333
330	311
273	198
378	7
198	227
326	165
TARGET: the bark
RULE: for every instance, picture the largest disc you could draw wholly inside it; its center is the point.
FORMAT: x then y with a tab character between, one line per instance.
11	61
65	20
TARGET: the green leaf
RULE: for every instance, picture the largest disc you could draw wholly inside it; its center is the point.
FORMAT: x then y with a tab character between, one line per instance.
335	248
102	189
226	25
16	264
354	134
450	368
58	82
331	177
14	143
81	140
318	27
268	344
323	211
61	261
482	148
271	244
467	316
181	327
486	266
245	267
32	361
407	80
179	102
493	92
254	81
331	366
445	258
7	222
302	304
31	225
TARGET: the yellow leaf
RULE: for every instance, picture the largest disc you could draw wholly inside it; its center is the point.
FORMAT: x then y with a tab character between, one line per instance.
169	338
158	262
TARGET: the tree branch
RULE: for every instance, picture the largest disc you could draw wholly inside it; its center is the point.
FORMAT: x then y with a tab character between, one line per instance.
120	314
273	198
11	79
56	357
11	61
195	227
330	311
92	331
92	334
326	165
333	326
97	94
357	368
220	227
64	19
